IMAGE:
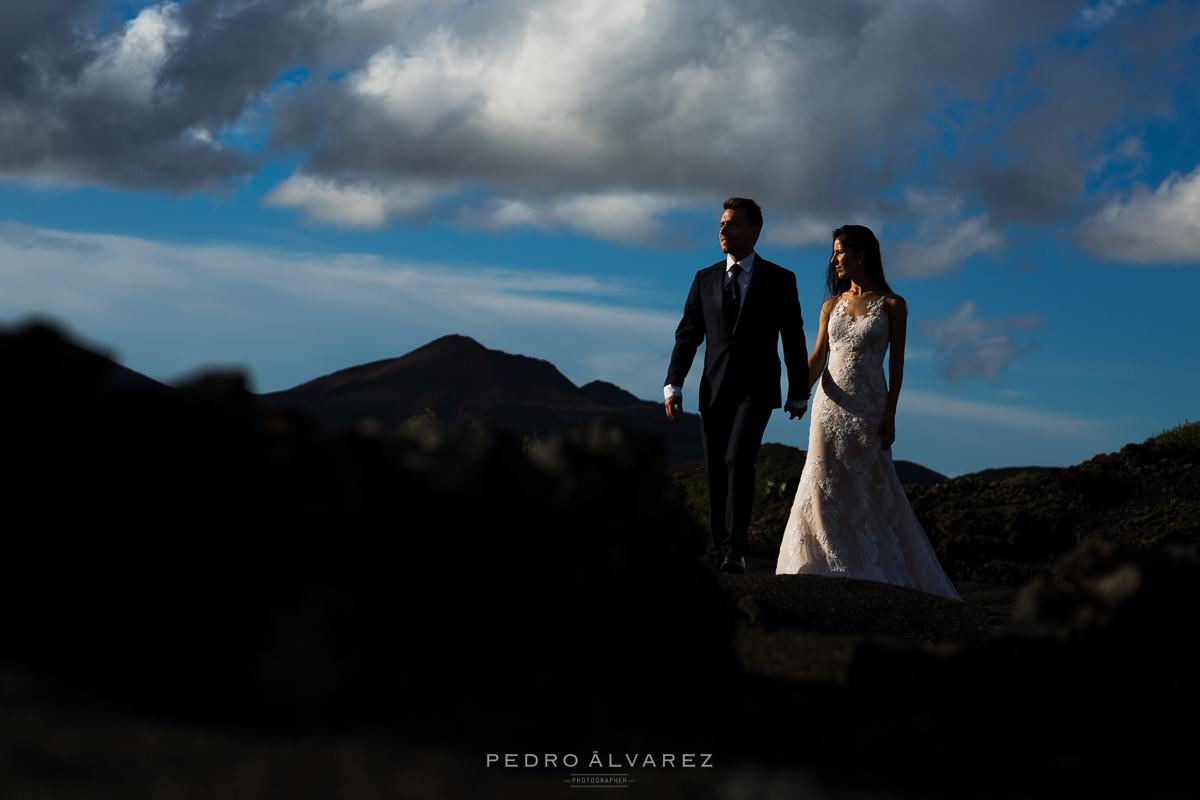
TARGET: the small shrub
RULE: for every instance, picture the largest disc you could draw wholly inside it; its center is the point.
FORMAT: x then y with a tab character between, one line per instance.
1020	478
694	487
421	416
1185	433
771	487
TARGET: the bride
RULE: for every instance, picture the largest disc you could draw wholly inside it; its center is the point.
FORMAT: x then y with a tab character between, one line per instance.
851	517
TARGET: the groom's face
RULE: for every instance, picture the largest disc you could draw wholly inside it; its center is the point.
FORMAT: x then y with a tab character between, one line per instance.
737	237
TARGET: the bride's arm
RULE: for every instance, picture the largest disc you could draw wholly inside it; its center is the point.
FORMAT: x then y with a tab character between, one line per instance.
816	362
897	311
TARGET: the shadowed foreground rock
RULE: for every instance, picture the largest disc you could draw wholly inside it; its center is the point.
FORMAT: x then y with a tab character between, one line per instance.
1091	689
191	553
206	597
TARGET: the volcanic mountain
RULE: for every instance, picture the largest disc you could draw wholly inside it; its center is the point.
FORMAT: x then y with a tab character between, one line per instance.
459	380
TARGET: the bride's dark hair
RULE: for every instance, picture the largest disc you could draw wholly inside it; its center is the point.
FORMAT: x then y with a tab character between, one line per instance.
859	239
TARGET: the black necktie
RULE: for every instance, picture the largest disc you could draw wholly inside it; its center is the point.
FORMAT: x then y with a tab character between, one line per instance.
733	297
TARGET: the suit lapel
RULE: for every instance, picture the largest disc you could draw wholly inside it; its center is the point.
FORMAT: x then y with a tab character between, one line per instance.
718	279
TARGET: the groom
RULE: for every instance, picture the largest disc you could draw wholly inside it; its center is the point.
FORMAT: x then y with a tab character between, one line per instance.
742	305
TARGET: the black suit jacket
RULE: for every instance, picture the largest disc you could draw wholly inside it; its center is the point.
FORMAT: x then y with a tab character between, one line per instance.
744	360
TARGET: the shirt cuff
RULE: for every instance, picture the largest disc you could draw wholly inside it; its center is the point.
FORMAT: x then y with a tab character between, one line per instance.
797	404
671	390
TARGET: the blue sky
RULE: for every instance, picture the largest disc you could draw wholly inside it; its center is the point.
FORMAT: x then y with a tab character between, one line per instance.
291	188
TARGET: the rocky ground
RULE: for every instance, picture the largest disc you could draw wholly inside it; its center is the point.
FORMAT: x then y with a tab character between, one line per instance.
809	628
1146	495
207	597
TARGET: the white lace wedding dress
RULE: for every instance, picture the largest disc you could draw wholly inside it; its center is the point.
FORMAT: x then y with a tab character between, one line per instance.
851	517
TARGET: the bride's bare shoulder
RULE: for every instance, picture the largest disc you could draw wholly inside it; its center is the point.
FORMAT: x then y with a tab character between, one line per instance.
894	303
830	304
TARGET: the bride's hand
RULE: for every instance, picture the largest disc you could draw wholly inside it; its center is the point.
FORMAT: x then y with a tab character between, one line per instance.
887	431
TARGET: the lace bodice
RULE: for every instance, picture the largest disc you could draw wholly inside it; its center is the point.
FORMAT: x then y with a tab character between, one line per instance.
854	378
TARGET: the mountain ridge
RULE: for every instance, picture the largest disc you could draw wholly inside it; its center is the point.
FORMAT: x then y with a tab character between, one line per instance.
461	380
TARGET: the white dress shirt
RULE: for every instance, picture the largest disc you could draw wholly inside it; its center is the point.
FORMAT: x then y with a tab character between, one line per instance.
747	265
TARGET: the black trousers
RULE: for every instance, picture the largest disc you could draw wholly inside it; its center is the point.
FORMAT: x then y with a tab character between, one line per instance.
731	432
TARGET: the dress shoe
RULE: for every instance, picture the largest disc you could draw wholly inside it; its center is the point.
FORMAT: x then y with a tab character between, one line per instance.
735	565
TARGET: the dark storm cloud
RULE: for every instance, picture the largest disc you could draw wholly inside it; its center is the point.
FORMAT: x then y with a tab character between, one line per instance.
1074	105
138	104
29	30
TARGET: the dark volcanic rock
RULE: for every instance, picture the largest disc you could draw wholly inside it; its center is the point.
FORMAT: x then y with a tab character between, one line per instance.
461	381
1009	531
1003	473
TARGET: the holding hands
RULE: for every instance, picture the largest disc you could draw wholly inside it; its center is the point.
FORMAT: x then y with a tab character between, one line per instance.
674	407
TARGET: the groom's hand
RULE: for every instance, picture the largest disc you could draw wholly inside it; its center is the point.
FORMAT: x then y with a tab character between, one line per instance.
674	407
796	413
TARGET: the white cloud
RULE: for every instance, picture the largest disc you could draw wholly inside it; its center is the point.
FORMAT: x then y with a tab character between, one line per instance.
420	91
970	346
954	435
130	64
1016	418
938	251
945	237
618	215
358	205
17	234
801	231
1149	227
1100	13
623	216
1128	151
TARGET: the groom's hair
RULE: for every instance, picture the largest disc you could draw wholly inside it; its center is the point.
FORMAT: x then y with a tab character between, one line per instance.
749	206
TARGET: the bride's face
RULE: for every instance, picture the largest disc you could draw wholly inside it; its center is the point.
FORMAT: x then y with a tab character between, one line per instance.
847	262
